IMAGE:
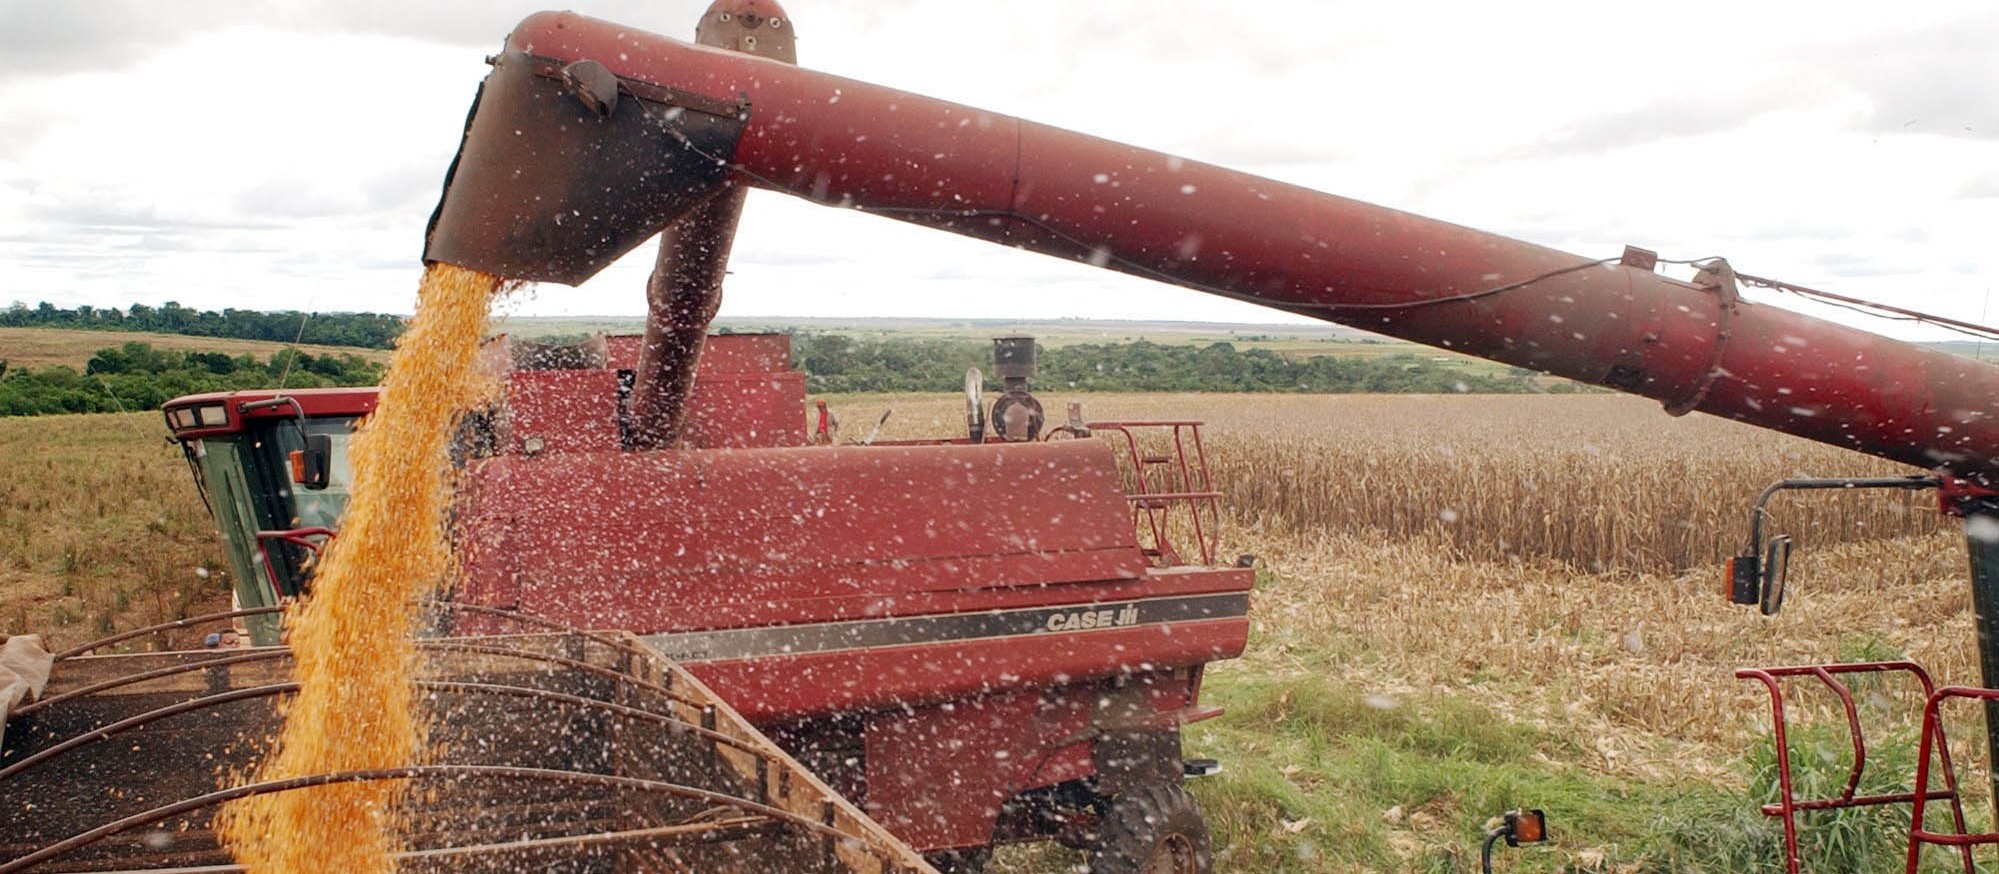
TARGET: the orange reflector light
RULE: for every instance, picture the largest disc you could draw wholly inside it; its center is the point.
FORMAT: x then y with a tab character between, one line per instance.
297	458
1526	827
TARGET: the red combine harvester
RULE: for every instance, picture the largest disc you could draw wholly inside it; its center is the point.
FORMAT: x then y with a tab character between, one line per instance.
968	636
948	630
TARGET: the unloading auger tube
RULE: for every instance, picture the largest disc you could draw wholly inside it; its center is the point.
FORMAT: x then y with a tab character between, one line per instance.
588	138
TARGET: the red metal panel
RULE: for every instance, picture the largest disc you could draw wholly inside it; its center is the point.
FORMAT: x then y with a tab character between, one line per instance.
621	351
565	410
746	353
734	410
720	353
938	777
752	538
602	596
489	571
792	687
981	174
753	398
745	392
795	525
312	402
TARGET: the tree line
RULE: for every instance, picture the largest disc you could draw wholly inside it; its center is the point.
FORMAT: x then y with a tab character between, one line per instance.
367	330
836	363
136	376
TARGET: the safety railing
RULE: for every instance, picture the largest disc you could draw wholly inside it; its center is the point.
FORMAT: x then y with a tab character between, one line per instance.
1168	484
312	540
1788	805
1933	727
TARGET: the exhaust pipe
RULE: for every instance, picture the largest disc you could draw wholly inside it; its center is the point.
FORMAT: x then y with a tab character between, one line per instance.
685	289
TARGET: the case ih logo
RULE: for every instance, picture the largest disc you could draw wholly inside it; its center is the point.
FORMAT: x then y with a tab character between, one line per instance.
725	644
1084	620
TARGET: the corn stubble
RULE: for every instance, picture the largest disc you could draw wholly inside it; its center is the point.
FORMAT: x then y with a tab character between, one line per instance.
355	708
1600	483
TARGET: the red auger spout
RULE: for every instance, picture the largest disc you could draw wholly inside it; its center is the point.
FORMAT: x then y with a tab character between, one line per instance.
550	186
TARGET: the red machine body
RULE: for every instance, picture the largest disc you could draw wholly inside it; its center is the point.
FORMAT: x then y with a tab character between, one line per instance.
811	581
939	627
744	393
970	638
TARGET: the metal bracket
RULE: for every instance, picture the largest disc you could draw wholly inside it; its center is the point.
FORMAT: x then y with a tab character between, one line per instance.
1757	512
1639	259
1961	498
554	68
1716	277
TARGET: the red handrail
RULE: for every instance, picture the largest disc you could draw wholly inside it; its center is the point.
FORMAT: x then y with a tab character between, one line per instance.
1152	507
299	537
1933	725
1787	805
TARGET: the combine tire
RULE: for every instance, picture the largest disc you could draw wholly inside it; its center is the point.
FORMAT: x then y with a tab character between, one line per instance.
972	861
1155	828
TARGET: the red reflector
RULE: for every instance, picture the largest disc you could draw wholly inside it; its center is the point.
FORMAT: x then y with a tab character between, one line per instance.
297	458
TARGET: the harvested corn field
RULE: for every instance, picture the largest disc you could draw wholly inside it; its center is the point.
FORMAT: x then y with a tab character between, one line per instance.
1598	482
1399	687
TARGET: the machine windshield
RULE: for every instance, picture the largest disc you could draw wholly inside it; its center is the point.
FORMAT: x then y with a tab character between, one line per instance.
247	478
319	508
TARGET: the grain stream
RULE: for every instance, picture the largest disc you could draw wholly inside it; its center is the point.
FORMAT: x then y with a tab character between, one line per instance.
355	708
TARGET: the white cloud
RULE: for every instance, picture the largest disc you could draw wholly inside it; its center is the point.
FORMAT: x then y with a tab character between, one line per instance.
220	156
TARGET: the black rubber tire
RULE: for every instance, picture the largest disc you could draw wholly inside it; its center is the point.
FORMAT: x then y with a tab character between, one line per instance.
972	861
1155	828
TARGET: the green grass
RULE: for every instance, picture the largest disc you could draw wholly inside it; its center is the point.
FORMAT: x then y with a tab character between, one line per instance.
1353	782
101	529
1323	778
1324	775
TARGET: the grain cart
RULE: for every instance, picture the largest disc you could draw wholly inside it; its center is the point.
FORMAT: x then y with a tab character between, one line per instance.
550	750
965	636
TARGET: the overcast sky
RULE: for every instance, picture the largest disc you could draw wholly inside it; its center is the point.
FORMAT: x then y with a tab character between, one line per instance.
288	157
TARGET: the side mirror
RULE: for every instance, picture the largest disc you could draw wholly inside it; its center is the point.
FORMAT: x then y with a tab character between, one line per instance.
1776	565
1744	579
312	467
1759	580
